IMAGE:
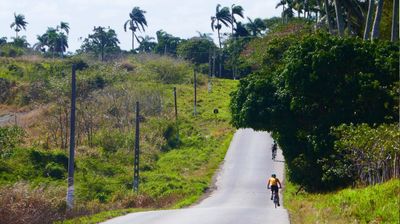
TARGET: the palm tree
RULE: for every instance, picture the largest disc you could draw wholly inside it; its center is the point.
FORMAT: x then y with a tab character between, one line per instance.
240	30
63	26
19	23
328	16
339	17
377	21
282	3
137	21
62	37
395	21
368	22
146	44
236	10
256	27
221	16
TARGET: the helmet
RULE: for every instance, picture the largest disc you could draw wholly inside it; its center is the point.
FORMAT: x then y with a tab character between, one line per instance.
273	175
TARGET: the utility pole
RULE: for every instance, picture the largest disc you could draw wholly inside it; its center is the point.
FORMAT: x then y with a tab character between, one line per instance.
70	190
176	114
136	160
195	91
209	70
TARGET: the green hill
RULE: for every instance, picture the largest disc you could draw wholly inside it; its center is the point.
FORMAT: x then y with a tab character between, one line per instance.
174	172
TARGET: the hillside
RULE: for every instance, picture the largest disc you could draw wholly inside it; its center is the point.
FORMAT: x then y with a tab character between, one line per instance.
173	172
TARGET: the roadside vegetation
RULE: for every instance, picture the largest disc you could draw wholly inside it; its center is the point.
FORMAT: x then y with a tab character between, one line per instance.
373	204
174	171
324	82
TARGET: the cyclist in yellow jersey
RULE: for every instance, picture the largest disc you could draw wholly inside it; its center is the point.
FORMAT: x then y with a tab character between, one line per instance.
273	183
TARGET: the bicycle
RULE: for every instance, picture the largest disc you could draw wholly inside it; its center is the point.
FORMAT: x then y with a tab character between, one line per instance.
275	198
274	149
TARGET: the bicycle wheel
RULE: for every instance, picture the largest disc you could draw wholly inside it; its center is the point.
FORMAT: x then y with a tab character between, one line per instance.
276	200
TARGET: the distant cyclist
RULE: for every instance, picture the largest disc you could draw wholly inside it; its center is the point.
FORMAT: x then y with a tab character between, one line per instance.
274	149
273	183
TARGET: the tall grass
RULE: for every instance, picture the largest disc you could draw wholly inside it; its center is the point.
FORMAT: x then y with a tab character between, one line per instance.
374	204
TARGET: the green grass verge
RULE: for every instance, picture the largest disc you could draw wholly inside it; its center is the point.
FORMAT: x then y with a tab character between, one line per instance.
373	204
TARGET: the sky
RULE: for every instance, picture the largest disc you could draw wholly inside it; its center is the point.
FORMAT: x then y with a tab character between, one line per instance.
177	17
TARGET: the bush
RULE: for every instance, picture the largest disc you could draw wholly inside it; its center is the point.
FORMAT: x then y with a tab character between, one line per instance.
19	204
110	140
10	137
5	86
169	71
55	170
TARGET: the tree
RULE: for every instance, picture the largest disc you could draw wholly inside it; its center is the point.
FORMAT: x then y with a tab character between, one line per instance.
53	41
377	21
18	24
146	44
236	10
368	22
196	50
103	41
221	16
255	27
339	17
166	43
3	40
136	22
63	26
395	21
322	82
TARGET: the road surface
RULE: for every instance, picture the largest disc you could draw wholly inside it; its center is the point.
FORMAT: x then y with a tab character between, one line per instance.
241	196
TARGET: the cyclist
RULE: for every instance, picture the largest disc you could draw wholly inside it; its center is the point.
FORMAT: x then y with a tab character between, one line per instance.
274	149
273	183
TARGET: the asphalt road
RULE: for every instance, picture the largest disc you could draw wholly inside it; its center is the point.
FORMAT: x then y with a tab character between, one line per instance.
241	196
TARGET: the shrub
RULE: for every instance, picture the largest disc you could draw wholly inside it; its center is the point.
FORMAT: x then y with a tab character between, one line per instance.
169	71
110	140
10	137
19	204
5	86
55	170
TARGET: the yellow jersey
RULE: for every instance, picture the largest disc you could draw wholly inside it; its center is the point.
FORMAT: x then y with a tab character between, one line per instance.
273	181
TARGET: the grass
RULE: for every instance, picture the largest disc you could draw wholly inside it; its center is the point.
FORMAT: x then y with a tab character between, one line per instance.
173	173
373	204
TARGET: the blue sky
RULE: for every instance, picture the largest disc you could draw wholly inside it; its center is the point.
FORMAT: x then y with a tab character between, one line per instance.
178	17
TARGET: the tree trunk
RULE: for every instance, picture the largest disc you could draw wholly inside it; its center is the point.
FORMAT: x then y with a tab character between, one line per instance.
328	17
395	21
377	21
368	22
133	40
339	17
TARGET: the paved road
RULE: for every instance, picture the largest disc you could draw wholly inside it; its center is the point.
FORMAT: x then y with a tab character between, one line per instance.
241	196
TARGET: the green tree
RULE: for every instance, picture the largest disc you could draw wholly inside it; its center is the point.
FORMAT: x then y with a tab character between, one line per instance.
3	40
196	50
18	24
221	16
255	27
146	44
377	21
166	43
137	22
237	10
322	82
103	41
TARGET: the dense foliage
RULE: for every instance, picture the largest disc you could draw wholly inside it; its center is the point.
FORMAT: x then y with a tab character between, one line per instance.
324	81
374	152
